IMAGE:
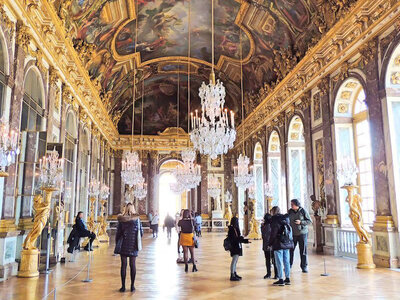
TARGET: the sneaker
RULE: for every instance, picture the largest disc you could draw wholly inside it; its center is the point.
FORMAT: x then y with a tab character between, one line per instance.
305	270
234	278
240	277
280	282
287	281
267	276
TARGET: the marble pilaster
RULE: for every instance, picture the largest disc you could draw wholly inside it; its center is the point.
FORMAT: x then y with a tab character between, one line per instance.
203	185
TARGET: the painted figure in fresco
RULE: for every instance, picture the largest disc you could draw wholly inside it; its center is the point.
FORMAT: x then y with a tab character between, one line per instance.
295	12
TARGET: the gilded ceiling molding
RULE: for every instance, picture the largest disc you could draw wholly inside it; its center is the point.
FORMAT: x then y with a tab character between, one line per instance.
48	28
5	19
362	23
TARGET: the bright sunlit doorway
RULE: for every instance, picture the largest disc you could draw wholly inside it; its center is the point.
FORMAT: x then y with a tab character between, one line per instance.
169	202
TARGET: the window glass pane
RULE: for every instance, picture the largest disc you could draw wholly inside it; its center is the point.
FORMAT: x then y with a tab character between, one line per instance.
259	191
396	127
295	174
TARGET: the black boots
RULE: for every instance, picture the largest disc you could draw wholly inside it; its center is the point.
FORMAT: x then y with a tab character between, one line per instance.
122	289
194	268
237	276
234	278
132	287
267	276
186	268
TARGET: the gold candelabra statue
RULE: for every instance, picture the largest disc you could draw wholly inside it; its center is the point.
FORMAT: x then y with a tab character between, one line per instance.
254	233
30	253
103	236
91	224
364	248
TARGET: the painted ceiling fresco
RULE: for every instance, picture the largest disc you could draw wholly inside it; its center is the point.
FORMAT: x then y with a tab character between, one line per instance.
275	35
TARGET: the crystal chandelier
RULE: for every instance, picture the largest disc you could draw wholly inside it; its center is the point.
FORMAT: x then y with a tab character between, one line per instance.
104	192
268	189
252	191
212	132
177	188
243	175
8	146
51	170
94	188
140	190
347	171
214	186
131	172
188	174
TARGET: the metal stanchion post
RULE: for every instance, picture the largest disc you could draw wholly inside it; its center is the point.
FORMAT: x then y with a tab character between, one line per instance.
88	279
324	274
55	293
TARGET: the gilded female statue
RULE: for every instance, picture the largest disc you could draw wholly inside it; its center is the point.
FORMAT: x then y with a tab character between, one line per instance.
42	211
356	217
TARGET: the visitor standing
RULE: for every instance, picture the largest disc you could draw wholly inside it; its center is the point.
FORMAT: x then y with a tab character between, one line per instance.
198	221
299	220
154	224
268	253
169	223
128	242
281	241
186	239
236	240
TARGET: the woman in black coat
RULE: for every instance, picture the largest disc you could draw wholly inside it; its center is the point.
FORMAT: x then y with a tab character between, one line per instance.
268	253
128	242
236	241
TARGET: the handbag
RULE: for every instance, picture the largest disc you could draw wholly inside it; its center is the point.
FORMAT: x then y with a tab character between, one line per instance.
139	236
227	244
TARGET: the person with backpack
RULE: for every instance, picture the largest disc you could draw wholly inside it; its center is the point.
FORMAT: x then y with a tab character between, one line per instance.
281	241
299	220
268	253
233	243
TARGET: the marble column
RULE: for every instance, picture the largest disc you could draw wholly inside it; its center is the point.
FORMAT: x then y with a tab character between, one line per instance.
204	185
383	229
117	195
309	156
153	182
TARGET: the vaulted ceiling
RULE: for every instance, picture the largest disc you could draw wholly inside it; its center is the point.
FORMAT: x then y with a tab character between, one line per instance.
275	36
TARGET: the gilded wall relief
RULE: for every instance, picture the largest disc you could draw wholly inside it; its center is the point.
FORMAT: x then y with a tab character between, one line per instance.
317	106
320	169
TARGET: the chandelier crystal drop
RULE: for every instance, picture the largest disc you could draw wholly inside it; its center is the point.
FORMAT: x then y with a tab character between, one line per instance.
268	189
131	172
243	174
94	188
214	186
140	190
8	146
177	188
188	174
51	170
104	192
252	191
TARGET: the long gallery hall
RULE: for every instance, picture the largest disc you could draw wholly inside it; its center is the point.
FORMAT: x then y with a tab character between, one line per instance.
199	149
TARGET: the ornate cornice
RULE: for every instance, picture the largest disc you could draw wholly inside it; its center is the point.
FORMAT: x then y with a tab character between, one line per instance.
360	25
46	28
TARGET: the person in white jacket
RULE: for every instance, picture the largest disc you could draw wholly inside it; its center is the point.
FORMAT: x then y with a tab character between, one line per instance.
154	224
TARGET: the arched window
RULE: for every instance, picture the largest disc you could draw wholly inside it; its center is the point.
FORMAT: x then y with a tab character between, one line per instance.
33	139
392	85
297	161
274	170
259	180
353	140
71	135
83	171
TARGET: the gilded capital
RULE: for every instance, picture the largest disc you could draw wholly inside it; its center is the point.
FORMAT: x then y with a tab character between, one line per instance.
23	37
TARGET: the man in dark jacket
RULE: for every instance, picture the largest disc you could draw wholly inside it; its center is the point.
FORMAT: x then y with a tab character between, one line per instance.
268	253
299	220
281	241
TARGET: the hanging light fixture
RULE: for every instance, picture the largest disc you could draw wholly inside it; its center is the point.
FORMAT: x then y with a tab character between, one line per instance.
104	192
176	188
94	188
243	175
213	132
214	186
51	170
131	171
8	146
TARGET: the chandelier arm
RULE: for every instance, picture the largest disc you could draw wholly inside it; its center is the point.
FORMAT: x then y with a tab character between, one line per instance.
188	68
241	84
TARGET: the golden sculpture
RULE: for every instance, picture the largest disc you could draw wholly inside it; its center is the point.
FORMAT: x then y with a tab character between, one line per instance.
254	233
102	232
228	213
30	254
92	225
364	249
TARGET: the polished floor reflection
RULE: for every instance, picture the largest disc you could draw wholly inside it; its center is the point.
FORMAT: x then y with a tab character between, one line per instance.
159	277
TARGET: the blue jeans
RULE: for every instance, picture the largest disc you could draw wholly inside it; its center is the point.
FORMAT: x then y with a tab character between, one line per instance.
282	261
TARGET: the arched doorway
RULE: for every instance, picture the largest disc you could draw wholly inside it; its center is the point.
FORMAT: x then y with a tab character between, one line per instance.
297	161
274	170
168	200
353	140
259	180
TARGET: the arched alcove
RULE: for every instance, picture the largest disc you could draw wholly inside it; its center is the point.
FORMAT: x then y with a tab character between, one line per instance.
258	170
